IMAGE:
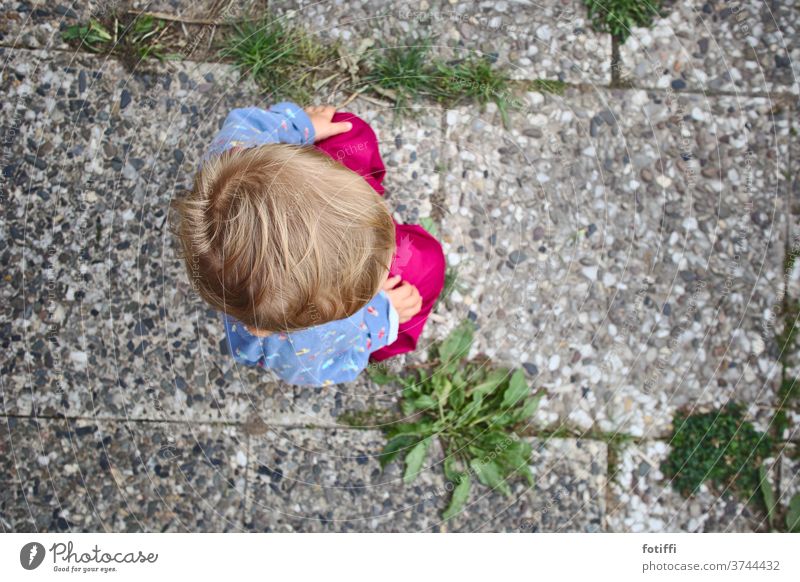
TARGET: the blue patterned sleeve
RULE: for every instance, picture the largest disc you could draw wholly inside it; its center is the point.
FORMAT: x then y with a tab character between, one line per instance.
394	324
250	126
382	321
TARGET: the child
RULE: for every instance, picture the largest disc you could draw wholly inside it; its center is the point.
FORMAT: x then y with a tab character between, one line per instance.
295	246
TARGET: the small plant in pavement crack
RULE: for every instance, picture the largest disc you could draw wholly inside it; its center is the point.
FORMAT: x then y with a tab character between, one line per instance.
472	408
93	35
718	447
282	58
403	73
619	16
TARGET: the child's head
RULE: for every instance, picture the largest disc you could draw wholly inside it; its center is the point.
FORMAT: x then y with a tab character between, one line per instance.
282	237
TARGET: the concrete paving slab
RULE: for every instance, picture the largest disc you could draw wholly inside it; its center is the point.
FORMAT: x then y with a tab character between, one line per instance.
89	475
740	47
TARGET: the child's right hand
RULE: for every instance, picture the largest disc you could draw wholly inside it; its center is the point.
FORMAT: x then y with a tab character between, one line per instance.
321	117
404	297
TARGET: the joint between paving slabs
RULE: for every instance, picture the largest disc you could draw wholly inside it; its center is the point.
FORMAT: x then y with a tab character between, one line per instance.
244	424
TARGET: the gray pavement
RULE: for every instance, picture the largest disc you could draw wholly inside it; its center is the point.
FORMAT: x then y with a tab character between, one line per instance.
624	245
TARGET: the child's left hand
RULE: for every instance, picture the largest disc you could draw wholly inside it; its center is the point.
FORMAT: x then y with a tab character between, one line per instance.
321	116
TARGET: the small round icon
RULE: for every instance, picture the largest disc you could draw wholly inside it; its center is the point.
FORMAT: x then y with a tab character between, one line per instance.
31	555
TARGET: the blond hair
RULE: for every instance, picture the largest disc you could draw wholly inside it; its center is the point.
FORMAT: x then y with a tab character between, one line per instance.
283	237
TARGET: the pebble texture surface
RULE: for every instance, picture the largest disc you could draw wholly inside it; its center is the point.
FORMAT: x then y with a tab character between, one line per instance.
623	244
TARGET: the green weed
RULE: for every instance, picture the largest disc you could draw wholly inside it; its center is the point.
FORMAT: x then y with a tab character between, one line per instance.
93	35
474	410
618	17
143	37
553	86
717	447
793	515
134	39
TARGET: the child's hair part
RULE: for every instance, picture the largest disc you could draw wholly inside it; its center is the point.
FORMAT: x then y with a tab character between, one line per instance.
283	238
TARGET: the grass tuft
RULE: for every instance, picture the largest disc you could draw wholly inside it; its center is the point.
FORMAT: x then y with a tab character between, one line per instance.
472	78
402	71
553	86
284	60
289	63
406	73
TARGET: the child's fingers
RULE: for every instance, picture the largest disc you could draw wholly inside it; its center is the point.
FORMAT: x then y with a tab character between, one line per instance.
406	299
391	282
417	308
411	310
400	298
409	291
418	303
413	300
417	300
412	290
414	295
340	127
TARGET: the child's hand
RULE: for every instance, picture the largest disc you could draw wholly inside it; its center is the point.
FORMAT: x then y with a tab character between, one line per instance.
405	298
321	116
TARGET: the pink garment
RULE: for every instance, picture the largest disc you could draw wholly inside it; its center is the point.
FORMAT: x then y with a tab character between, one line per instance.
419	258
